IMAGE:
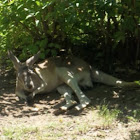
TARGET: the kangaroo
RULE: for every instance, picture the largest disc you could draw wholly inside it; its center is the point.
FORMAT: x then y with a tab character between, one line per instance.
66	75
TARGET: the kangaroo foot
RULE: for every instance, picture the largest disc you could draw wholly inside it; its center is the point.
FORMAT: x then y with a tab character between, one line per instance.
68	105
83	103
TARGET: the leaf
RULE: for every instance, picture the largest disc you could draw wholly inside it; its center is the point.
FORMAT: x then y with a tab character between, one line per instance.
42	55
37	23
137	82
53	52
25	9
43	43
30	15
51	45
37	13
5	1
57	46
77	4
119	36
44	6
20	6
38	3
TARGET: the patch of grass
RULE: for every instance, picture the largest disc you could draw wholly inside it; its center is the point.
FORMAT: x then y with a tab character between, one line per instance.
109	116
54	130
47	131
82	128
135	135
19	132
134	115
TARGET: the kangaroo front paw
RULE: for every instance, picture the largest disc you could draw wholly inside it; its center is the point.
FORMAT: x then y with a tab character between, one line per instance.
68	105
81	106
83	103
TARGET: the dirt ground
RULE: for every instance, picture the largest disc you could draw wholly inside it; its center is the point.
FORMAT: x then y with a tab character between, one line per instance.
46	110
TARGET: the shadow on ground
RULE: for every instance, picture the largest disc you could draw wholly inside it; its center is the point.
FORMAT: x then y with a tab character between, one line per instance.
127	101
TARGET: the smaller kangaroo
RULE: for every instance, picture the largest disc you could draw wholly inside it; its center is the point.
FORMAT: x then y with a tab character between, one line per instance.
66	75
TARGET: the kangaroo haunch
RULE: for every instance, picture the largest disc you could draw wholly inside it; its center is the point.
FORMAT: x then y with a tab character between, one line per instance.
66	75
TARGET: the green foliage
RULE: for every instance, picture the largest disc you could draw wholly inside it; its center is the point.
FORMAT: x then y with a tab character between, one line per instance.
110	115
137	82
100	25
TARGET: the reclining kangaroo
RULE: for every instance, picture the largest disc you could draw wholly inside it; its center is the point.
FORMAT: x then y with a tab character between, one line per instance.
64	74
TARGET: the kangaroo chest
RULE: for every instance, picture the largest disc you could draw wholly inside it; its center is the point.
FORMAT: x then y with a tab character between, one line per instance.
49	76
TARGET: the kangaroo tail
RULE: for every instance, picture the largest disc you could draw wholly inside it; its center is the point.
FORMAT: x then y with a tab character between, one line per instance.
101	77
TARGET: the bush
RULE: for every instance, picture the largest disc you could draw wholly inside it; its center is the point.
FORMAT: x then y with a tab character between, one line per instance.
102	28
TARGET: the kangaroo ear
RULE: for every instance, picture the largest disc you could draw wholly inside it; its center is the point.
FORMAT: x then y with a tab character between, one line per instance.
14	59
33	59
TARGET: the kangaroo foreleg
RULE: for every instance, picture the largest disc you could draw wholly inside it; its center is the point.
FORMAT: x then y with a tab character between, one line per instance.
67	77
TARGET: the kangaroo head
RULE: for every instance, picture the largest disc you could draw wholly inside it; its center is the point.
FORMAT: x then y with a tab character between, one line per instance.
27	79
